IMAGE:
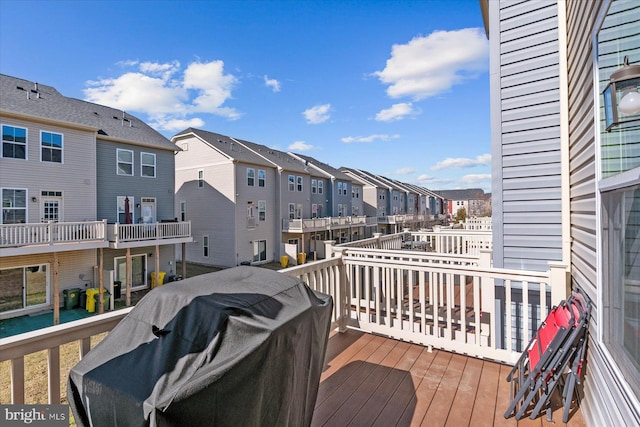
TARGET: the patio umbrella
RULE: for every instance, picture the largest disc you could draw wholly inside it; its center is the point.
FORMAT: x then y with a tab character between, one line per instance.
127	211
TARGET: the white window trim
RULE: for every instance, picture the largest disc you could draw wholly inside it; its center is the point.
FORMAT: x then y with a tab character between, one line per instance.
251	174
118	151
263	179
142	165
291	180
26	203
206	244
200	178
61	149
26	143
262	207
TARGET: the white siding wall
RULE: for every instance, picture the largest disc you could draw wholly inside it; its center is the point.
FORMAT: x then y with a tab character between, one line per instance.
525	133
210	209
608	401
75	177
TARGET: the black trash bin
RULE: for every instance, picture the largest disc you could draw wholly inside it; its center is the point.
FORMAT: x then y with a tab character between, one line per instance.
117	286
83	299
71	298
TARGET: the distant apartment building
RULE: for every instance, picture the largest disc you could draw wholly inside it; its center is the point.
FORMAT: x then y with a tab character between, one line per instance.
474	201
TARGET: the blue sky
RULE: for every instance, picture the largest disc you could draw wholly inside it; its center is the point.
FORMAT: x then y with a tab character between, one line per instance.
397	88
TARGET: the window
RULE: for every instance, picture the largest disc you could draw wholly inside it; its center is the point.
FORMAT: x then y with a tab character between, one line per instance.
299	179
292	211
320	187
205	246
148	165
339	209
292	183
339	188
251	177
314	186
183	210
259	250
24	287
262	210
14	142
319	211
355	192
14	206
619	186
51	144
262	178
200	178
125	162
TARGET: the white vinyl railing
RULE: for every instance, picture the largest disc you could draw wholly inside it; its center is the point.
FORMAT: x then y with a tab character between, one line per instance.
15	348
478	223
453	241
51	233
311	224
119	233
454	302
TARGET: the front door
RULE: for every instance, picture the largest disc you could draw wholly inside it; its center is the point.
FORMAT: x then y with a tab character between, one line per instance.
148	210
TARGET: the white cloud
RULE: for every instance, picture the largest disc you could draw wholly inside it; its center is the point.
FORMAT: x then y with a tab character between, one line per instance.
300	146
429	65
370	138
403	171
176	124
459	163
166	94
473	179
272	83
396	112
317	114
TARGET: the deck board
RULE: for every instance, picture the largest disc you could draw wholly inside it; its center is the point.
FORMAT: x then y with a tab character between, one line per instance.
370	380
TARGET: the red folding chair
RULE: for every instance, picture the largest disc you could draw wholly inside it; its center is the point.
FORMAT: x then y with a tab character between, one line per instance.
560	342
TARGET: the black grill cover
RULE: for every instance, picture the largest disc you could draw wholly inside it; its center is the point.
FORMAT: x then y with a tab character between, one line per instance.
239	347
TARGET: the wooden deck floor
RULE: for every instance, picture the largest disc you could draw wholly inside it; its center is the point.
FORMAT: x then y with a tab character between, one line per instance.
369	380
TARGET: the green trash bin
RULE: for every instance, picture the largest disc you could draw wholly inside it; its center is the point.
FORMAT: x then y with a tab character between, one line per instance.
71	297
96	300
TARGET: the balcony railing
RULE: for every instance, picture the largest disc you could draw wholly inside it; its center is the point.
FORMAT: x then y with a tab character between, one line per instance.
457	303
51	233
328	223
452	241
123	233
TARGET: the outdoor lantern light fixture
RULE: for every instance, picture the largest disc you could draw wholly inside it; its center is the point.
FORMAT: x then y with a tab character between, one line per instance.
621	96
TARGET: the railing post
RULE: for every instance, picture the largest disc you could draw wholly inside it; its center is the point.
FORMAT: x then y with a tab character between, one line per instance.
378	237
344	298
328	248
559	281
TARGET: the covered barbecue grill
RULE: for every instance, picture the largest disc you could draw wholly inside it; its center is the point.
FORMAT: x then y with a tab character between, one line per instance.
243	346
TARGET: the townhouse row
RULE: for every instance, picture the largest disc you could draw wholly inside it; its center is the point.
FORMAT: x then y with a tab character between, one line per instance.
250	203
93	196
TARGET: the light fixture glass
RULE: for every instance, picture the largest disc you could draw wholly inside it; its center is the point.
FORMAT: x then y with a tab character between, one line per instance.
621	97
630	103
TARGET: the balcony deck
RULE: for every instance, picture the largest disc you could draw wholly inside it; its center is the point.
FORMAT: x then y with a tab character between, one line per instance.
370	380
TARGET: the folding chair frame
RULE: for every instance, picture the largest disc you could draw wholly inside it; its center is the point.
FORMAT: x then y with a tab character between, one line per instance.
535	384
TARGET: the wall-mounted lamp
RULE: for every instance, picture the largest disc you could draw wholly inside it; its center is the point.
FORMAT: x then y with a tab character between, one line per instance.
138	205
621	97
34	199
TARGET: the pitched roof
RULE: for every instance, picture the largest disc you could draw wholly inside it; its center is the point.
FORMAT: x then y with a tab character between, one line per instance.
324	167
280	158
37	101
466	194
228	146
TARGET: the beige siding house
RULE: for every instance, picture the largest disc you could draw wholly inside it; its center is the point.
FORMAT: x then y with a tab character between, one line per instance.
231	195
53	235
